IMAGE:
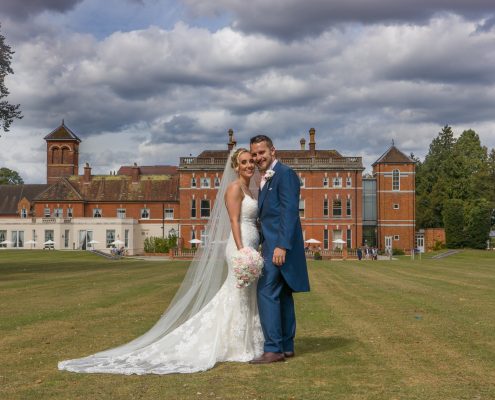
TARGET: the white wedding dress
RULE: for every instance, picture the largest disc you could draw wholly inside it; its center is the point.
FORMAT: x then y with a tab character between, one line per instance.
225	329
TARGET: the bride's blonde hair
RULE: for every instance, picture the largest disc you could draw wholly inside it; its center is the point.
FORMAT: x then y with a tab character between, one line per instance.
234	160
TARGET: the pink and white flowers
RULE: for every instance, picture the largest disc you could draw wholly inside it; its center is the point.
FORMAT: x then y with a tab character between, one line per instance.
247	266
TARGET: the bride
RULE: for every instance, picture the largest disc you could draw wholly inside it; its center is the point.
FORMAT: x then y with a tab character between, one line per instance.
209	319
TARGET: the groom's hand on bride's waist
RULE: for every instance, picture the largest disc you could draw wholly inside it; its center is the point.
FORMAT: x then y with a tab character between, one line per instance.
278	256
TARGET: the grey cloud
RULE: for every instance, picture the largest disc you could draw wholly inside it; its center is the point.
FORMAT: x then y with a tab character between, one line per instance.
22	9
293	19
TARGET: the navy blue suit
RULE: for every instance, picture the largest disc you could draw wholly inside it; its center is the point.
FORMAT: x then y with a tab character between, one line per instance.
278	205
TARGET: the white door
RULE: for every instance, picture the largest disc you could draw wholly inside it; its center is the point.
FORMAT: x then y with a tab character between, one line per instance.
420	243
388	244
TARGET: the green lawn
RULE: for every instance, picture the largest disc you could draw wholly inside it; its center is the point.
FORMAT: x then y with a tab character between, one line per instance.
401	329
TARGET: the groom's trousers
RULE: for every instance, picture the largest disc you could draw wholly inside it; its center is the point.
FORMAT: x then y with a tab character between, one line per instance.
276	308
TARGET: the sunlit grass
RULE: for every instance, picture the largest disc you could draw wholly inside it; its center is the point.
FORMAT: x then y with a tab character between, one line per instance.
398	329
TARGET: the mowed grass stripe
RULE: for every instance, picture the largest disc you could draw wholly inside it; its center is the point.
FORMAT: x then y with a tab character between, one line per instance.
383	315
371	330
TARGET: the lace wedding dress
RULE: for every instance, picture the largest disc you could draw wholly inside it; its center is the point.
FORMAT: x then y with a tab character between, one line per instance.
227	328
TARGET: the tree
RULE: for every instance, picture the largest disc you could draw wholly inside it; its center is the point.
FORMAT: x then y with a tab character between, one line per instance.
453	220
8	112
10	177
478	221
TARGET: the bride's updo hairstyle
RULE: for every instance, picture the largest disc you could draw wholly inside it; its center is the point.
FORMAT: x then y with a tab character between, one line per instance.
234	160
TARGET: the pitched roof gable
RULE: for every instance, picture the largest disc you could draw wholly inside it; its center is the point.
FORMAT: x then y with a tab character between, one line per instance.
394	156
61	190
10	195
62	132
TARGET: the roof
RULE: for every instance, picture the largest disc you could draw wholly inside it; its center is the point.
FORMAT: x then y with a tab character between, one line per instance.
10	195
149	170
62	133
113	188
394	156
279	153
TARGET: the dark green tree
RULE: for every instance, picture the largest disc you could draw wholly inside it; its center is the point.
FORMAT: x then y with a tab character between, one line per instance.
8	112
478	222
10	177
432	180
453	220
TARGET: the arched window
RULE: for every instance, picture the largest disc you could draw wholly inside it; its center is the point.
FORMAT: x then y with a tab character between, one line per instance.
64	158
55	155
395	179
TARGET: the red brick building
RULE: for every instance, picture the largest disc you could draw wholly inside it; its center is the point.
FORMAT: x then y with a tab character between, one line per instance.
337	204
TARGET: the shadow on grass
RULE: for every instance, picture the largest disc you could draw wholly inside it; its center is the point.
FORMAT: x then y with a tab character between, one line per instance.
321	344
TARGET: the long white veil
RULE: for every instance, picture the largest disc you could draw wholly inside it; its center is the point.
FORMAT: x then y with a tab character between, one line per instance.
203	280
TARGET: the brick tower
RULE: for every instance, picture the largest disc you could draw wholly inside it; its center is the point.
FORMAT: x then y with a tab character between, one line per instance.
395	199
62	153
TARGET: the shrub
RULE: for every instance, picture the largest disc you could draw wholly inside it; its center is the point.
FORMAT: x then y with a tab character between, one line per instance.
155	244
397	252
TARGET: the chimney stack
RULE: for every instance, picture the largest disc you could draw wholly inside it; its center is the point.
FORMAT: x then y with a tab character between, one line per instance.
312	143
87	173
231	144
135	173
303	144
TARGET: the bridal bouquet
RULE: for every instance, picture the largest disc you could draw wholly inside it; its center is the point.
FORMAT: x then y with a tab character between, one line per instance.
247	263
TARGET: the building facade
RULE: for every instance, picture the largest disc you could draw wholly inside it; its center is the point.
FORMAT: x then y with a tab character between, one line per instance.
337	206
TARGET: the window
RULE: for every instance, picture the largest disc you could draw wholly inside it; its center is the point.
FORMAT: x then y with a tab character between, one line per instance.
66	238
193	236
47	213
3	237
96	212
301	208
121	213
203	237
349	239
193	182
325	207
325	239
348	181
217	181
302	181
396	237
169	213
205	182
18	238
126	238
24	213
193	208
58	212
395	179
325	182
337	182
49	234
205	208
348	208
337	208
396	206
110	238
145	213
69	212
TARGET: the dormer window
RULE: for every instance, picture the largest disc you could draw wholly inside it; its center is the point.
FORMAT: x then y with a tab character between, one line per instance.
24	213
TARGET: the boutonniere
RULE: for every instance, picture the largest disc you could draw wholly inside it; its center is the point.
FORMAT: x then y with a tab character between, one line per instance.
269	174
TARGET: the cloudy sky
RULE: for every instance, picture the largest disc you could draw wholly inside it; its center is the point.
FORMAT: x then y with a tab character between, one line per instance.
148	81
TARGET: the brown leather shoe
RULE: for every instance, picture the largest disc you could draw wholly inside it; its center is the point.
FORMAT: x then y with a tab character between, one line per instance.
268	357
289	354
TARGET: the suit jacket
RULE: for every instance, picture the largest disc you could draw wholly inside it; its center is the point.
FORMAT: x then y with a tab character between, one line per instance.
278	205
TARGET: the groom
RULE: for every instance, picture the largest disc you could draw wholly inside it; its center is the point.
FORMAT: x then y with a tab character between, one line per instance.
285	268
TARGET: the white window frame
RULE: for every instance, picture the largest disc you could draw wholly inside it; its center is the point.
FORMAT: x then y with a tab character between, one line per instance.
201	208
24	213
205	182
58	212
325	182
70	212
337	182
396	237
396	206
169	213
348	181
193	182
395	180
143	212
47	213
216	181
302	208
121	213
97	213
